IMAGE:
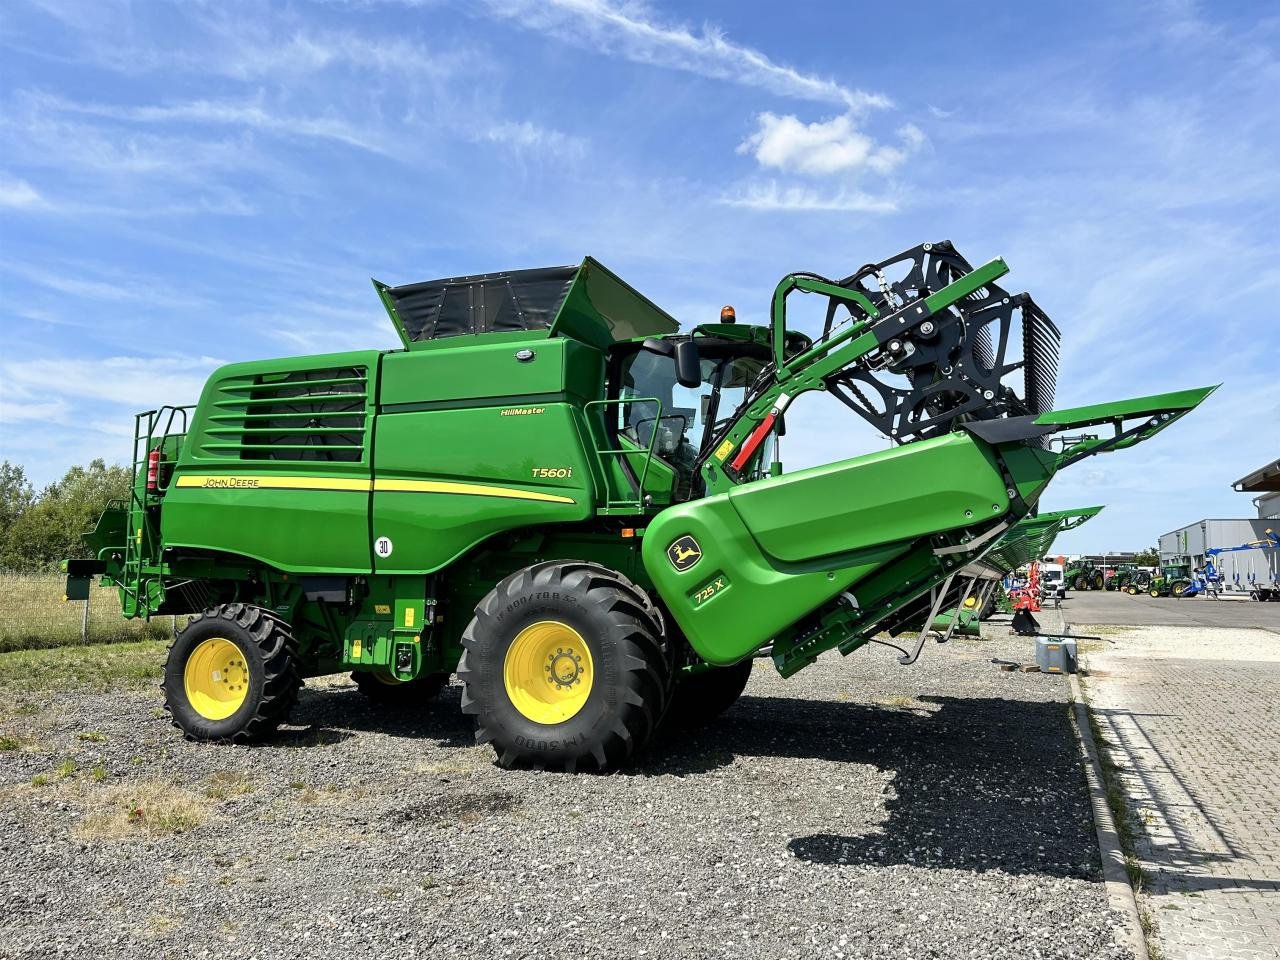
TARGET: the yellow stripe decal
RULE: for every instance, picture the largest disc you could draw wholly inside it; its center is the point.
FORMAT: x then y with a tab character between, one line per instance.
467	489
265	482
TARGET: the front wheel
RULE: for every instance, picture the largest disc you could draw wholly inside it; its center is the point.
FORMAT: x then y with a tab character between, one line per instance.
564	666
231	675
1154	592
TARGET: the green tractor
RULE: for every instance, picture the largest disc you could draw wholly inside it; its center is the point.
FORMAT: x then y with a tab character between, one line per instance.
1118	578
582	512
1085	575
1171	581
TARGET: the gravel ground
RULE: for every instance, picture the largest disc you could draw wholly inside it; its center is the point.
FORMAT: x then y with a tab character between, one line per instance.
860	809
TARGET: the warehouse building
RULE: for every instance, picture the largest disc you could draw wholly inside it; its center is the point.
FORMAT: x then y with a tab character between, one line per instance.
1190	544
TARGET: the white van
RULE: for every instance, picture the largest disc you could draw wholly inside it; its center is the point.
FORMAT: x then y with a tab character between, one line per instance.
1053	581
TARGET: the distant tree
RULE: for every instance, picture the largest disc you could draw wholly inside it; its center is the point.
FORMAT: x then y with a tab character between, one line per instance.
1150	557
49	528
15	495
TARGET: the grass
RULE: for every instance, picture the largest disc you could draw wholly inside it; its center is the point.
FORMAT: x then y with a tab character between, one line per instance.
149	808
100	667
226	784
33	616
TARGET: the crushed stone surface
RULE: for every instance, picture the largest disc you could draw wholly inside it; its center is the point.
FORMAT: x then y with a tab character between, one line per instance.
858	809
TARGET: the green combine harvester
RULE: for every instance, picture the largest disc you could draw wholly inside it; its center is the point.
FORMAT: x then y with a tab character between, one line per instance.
582	512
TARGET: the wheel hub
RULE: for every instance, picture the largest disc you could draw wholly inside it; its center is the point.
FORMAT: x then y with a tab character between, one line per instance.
565	668
216	678
548	672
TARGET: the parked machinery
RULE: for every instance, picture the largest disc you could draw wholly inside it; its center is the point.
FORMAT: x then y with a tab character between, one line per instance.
581	510
1172	580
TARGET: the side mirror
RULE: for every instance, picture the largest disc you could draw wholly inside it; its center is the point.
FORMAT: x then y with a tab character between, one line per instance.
688	368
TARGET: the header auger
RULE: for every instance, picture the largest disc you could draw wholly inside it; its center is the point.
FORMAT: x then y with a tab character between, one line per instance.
582	511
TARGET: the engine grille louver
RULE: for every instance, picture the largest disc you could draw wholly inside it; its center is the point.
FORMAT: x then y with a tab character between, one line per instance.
299	416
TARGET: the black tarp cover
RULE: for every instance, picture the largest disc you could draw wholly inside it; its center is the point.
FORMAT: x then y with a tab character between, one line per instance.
505	302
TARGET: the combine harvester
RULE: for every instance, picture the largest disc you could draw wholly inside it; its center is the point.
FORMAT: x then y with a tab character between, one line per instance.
581	511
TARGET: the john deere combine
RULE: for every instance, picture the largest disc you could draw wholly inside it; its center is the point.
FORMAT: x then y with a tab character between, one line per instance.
581	511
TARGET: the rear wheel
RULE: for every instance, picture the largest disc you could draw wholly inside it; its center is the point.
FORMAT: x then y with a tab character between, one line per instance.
700	698
231	675
388	691
564	666
1097	581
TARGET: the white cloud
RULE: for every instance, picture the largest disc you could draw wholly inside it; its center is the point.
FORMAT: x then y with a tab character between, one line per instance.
19	194
772	196
826	147
631	31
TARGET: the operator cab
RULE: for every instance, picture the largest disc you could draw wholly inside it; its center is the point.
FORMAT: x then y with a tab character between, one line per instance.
680	407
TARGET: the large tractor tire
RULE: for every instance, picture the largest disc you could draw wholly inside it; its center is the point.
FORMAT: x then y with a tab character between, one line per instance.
564	667
385	691
699	699
231	675
1178	588
1098	581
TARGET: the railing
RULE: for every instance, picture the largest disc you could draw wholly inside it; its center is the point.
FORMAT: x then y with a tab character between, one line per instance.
627	505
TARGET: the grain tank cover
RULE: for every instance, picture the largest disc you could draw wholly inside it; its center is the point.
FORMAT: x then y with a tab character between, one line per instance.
587	302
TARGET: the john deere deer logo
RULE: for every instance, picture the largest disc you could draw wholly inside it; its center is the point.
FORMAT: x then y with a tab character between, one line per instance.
684	553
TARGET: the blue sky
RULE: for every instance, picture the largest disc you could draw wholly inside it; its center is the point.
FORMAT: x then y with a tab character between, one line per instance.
184	184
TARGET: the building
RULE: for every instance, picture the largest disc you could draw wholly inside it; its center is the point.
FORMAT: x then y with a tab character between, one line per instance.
1265	481
1190	544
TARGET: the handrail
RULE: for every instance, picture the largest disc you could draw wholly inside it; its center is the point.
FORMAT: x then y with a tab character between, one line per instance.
638	503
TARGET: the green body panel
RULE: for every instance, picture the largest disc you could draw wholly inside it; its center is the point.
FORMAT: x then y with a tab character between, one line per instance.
431	529
601	310
735	597
477	371
882	497
220	501
804	538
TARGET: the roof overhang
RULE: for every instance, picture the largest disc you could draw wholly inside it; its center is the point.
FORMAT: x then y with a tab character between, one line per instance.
1264	479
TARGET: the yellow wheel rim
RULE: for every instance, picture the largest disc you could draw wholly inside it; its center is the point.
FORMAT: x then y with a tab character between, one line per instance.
216	678
970	602
548	672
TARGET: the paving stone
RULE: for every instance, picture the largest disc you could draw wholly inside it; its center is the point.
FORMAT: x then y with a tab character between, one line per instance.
1191	716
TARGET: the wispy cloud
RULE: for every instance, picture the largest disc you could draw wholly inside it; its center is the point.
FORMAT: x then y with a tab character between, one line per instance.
250	114
79	280
525	135
134	382
770	195
631	30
